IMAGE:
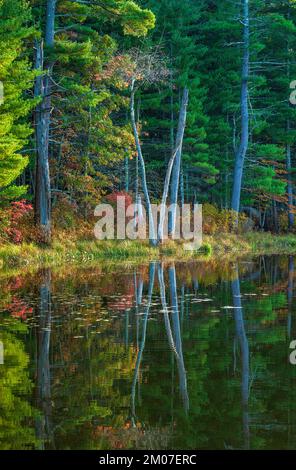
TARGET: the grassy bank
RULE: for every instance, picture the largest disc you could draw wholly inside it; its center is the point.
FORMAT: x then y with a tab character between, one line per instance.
253	243
81	252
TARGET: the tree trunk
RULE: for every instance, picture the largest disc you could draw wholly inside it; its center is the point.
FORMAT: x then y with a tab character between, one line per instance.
126	170
50	19
288	153
289	184
244	141
175	161
182	195
152	231
43	110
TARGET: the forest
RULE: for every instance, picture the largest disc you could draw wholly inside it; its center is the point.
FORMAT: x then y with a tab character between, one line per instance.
142	344
172	101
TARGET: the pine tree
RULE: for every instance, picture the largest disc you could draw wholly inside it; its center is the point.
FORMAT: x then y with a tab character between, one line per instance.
16	77
79	108
221	33
175	35
279	69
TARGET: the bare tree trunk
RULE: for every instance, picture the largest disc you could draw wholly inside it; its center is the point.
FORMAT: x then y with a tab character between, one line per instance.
50	19
244	142
172	128
154	239
291	217
289	184
42	179
182	195
126	171
43	110
152	231
175	161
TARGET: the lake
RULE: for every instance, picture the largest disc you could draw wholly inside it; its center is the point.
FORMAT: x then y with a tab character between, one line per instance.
191	355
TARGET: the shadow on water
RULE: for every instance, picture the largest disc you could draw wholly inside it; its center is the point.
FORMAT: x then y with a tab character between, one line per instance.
162	356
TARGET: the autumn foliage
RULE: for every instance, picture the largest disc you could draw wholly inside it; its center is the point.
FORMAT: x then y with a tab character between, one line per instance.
13	220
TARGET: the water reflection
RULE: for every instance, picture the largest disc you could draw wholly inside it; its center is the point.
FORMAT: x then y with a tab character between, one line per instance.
144	331
44	429
290	295
163	356
244	349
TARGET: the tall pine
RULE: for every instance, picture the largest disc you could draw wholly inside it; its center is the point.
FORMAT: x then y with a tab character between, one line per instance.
16	77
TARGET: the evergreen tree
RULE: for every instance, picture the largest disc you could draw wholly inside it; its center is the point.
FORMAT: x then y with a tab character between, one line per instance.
222	35
176	36
81	136
279	69
16	77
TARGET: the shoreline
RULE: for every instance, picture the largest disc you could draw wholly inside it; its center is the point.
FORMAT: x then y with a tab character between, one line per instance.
222	246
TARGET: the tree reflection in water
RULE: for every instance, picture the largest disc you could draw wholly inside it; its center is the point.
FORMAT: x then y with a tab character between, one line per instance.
143	357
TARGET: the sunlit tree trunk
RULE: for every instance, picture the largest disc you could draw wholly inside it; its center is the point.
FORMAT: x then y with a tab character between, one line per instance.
289	183
126	170
244	140
174	162
152	229
177	161
43	118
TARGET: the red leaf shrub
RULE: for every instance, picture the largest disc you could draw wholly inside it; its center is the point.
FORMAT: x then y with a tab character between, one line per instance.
112	198
19	309
15	216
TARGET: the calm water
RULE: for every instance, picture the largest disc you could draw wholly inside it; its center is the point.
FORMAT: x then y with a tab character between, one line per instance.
179	356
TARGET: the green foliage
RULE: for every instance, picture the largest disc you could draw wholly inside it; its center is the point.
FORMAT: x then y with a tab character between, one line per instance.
17	77
176	36
15	389
90	132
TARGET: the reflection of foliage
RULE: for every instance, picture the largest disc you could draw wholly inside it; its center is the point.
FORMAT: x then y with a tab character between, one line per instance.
16	413
94	346
10	301
89	386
